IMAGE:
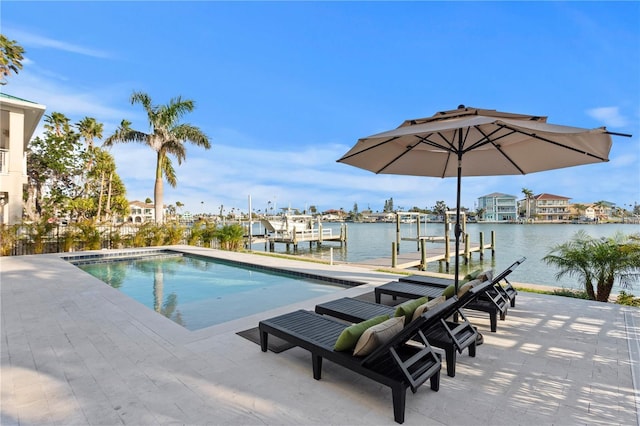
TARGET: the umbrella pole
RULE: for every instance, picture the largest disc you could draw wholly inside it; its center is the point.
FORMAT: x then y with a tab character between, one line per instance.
457	229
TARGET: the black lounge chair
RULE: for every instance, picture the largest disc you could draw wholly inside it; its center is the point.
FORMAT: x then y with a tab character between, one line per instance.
507	291
451	336
395	364
411	291
491	301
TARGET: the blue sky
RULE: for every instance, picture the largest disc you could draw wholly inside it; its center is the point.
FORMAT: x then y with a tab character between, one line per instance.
283	89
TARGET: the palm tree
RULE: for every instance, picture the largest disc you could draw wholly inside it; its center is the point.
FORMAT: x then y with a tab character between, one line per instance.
528	195
581	208
89	130
167	137
598	261
57	123
601	208
10	58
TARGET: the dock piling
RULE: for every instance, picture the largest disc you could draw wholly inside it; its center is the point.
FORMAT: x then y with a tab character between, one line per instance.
493	244
467	249
394	255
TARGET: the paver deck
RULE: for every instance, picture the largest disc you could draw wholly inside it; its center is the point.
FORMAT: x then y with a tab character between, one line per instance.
76	351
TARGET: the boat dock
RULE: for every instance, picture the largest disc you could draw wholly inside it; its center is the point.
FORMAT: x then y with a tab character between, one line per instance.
292	232
442	253
311	236
421	258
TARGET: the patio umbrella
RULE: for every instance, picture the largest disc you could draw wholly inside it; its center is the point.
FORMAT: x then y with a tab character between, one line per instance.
478	142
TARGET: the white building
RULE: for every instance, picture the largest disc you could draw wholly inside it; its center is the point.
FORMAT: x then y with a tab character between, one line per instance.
498	207
18	121
141	212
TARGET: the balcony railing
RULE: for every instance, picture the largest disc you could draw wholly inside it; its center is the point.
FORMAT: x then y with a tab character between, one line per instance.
4	161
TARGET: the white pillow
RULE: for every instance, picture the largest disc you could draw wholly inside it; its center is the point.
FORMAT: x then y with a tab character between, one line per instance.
377	335
485	275
468	286
425	307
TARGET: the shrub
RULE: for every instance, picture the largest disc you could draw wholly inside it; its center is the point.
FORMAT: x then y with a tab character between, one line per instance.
8	238
174	233
598	262
231	237
89	235
627	299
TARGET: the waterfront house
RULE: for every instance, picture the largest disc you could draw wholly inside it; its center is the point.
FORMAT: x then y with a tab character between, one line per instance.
590	212
141	212
550	208
18	119
333	215
498	207
601	211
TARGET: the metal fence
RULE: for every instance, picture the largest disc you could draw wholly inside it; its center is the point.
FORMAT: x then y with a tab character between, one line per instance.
58	238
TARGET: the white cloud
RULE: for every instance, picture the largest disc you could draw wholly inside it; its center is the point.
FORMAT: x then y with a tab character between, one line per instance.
609	115
28	39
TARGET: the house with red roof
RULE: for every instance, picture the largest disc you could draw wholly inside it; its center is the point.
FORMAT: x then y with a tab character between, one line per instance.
550	208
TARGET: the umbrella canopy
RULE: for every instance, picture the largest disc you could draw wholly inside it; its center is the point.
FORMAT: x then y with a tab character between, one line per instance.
478	142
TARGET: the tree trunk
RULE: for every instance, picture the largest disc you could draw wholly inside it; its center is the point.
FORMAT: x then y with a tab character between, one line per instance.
589	288
30	205
604	289
108	208
157	190
100	196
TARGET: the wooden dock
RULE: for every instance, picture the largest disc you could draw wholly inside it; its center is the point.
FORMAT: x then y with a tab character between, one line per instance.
311	236
417	260
444	251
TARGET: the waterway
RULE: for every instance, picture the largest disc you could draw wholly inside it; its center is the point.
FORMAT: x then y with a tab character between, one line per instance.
513	241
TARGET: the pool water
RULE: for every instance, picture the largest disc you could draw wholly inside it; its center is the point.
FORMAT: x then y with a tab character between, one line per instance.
198	293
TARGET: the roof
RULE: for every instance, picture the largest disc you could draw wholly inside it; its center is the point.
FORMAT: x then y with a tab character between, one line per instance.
498	195
4	95
137	203
545	196
32	112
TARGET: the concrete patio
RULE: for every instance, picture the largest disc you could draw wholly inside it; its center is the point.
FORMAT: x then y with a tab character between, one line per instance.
76	351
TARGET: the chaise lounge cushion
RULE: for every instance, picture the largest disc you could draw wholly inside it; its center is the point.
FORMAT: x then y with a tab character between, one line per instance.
406	309
468	286
350	335
426	306
449	292
472	275
378	335
485	275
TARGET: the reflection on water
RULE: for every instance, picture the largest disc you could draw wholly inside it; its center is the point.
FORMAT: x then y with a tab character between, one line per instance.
115	274
198	293
533	241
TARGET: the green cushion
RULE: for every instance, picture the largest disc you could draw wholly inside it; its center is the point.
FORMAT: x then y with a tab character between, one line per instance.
472	275
406	309
449	291
350	335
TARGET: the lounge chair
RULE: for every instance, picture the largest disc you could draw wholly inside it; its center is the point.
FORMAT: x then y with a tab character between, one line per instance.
491	301
411	291
451	336
396	363
507	291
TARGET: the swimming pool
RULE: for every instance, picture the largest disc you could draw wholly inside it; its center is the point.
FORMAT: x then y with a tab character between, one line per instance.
198	292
